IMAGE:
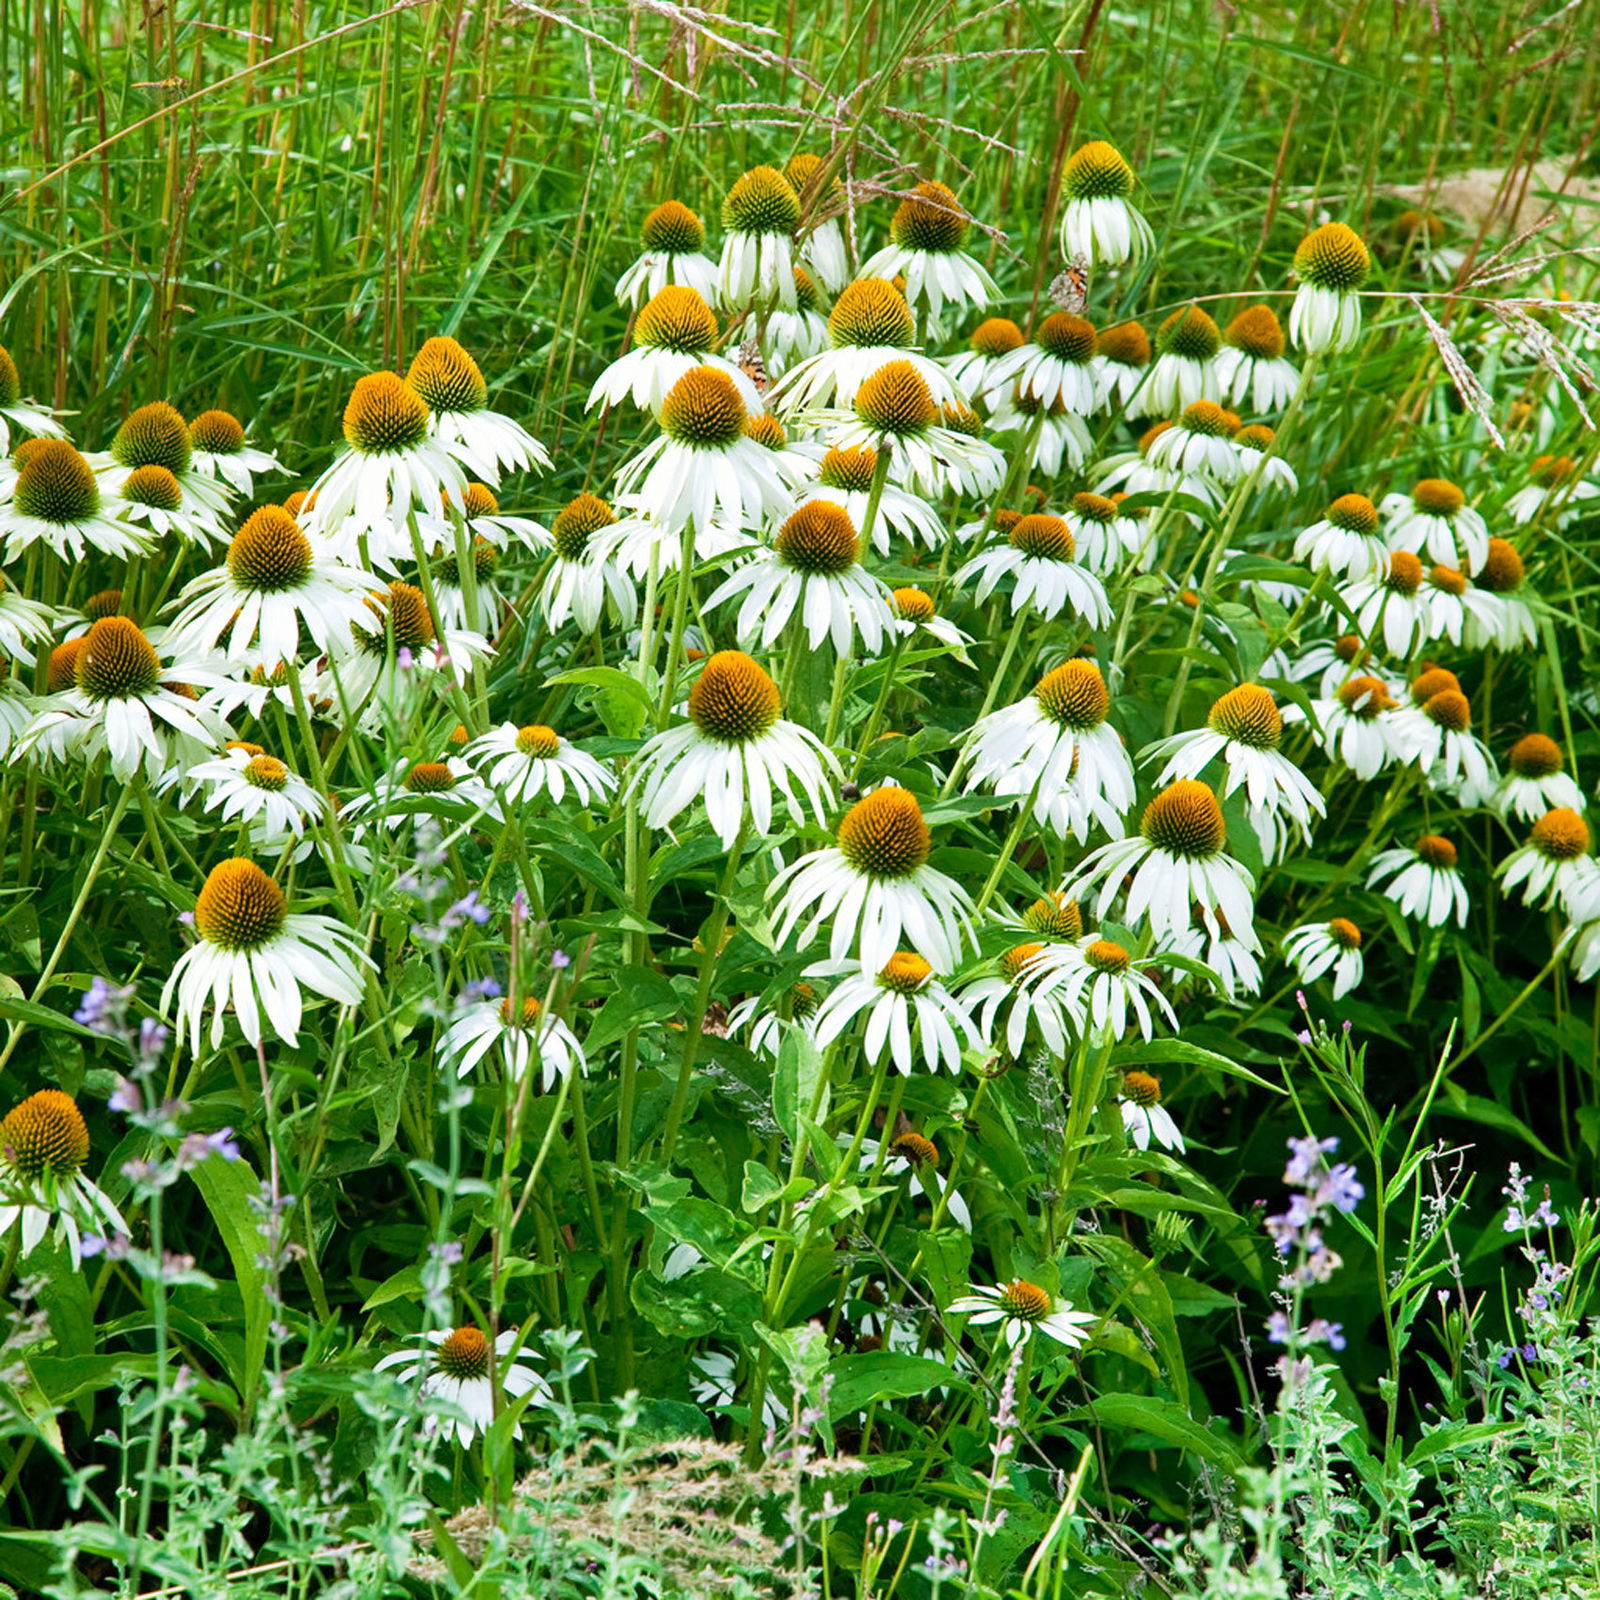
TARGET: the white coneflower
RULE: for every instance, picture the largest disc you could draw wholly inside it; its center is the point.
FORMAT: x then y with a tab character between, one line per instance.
1122	357
1345	542
1027	1008
480	510
1423	881
759	218
917	1157
1436	518
1436	732
249	784
1244	730
256	956
1101	987
16	714
1394	600
795	336
877	887
733	752
1056	368
906	1005
926	234
44	1143
461	1377
1056	743
583	582
1420	233
894	410
1177	859
56	502
1501	617
1099	222
1232	960
916	613
675	333
523	763
157	436
1038	555
704	467
436	788
126	705
24	624
824	249
1104	534
523	1033
1253	373
1144	1118
812	571
1329	661
1357	725
674	252
1554	867
151	497
450	591
1536	781
392	463
1331	264
760	1015
1254	442
870	326
1132	472
974	369
273	581
15	412
1555	485
221	450
1060	438
1317	948
845	478
1023	1309
400	637
486	442
1185	367
1200	441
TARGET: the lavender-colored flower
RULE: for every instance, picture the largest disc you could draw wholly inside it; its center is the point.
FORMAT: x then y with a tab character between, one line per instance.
104	1007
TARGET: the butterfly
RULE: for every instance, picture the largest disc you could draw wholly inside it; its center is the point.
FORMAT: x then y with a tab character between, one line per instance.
752	366
1070	289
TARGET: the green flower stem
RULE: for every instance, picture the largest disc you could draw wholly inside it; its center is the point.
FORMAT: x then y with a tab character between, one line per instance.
96	862
683	582
1007	850
875	721
836	698
472	717
711	950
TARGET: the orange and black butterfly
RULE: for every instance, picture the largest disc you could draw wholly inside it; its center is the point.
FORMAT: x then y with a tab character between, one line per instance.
752	366
1070	289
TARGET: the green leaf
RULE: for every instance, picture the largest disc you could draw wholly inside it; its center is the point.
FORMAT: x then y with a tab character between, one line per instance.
798	1083
1491	1114
619	698
639	995
30	1011
228	1189
407	1283
1163	1052
1170	1423
861	1380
